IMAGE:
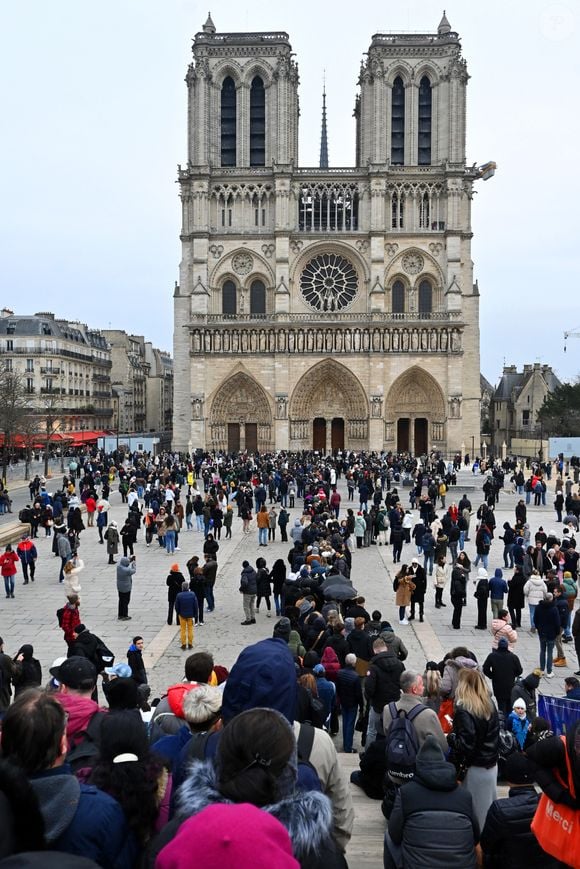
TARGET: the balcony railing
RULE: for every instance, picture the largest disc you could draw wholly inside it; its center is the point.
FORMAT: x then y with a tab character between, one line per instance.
49	371
330	317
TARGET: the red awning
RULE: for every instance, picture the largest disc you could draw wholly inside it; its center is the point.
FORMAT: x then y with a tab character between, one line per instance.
37	440
80	438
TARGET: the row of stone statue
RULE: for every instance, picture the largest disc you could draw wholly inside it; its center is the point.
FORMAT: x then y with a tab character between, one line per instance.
327	340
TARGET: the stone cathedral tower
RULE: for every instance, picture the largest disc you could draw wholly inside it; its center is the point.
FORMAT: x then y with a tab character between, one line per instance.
326	307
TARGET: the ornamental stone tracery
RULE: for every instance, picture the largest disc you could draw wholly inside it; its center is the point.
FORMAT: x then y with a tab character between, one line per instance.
329	282
242	263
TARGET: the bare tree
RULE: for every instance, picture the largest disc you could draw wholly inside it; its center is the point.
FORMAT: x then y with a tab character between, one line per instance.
14	408
49	412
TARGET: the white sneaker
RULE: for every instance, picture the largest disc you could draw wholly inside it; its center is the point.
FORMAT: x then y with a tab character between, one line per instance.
404	622
549	675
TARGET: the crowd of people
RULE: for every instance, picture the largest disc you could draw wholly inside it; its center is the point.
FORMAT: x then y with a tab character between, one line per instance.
246	761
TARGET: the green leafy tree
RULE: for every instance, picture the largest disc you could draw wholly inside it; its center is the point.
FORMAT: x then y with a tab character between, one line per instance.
560	412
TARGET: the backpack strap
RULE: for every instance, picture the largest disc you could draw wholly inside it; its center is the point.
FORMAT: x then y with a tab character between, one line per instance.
197	746
305	741
92	731
416	710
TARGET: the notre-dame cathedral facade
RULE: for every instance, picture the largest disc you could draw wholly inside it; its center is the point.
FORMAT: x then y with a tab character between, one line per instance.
325	307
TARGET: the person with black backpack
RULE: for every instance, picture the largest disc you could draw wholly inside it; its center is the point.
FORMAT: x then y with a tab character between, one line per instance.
406	724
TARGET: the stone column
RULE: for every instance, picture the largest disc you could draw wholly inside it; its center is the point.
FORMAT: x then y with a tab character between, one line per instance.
328	437
242	435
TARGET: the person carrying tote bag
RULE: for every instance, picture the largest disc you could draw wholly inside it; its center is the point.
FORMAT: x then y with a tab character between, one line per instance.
556	823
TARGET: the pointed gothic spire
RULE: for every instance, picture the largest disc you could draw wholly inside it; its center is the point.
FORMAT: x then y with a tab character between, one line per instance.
209	26
444	25
323	133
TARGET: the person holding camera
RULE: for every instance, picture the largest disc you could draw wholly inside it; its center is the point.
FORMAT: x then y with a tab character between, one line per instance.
125	570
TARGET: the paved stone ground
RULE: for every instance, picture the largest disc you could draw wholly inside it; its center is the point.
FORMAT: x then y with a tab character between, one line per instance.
30	617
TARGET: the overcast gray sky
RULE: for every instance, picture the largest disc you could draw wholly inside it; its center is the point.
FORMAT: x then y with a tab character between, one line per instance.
93	110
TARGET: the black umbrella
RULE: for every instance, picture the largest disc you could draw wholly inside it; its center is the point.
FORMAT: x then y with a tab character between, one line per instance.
340	591
334	579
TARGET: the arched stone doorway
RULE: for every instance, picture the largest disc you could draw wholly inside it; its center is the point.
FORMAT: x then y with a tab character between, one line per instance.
240	416
415	414
329	410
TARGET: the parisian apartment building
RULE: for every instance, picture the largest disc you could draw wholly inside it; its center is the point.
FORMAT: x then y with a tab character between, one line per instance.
75	373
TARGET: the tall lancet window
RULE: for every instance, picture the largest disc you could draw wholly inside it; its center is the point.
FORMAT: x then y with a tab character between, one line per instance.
398	122
228	122
398	298
425	113
257	123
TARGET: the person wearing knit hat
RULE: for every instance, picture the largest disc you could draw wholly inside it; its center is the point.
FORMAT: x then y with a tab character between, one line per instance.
174	584
232	835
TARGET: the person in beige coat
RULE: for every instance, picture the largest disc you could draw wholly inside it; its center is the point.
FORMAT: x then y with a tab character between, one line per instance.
440	581
403	586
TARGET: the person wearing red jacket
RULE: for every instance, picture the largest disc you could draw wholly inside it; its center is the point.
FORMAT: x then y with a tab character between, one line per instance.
27	554
91	506
8	562
71	617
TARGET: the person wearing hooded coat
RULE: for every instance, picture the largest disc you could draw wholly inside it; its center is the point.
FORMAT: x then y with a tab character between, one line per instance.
125	570
482	594
433	822
27	672
503	667
112	538
526	690
256	763
248	589
265	675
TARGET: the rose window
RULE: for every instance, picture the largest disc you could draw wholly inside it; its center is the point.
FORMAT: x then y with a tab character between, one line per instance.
329	282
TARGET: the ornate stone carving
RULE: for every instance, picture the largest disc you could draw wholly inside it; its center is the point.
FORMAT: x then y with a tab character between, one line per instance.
455	407
389	431
328	389
216	250
241	397
299	429
437	430
324	339
268	249
296	246
362	244
391	249
376	406
281	406
413	263
242	263
436	247
197	407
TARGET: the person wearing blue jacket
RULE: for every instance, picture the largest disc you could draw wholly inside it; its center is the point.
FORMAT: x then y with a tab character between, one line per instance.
186	612
78	818
497	588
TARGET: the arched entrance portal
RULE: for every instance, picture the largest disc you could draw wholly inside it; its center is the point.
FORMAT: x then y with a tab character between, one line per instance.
240	416
329	410
415	414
